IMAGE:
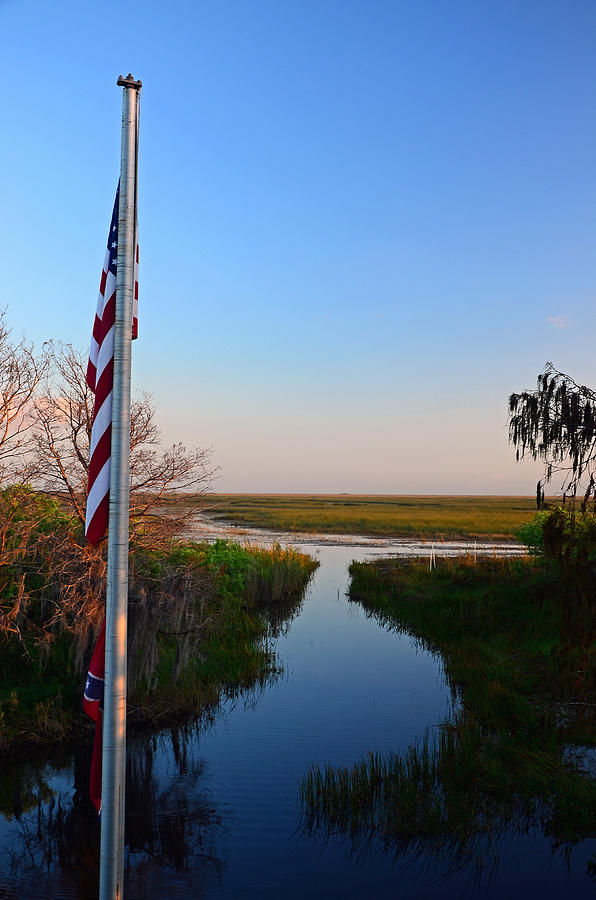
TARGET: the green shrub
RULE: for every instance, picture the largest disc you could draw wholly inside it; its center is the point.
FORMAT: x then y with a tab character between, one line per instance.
531	533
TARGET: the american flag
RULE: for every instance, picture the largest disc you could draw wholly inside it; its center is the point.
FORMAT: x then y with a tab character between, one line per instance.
100	378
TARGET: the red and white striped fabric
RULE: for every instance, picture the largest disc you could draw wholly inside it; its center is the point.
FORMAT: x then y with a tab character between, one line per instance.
100	378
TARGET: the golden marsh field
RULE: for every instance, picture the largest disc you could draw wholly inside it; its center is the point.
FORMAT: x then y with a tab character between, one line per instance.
373	514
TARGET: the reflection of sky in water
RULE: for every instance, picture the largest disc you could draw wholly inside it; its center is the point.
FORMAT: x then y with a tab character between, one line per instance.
230	792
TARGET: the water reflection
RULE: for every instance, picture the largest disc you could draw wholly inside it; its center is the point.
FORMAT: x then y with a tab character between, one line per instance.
21	787
50	834
368	824
215	804
281	614
171	818
171	822
498	771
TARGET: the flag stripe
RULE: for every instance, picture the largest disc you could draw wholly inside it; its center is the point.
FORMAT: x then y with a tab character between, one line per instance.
96	467
103	421
104	378
135	301
96	525
100	378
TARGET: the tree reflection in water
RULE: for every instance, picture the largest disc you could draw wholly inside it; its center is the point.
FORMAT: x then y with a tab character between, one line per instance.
171	822
50	842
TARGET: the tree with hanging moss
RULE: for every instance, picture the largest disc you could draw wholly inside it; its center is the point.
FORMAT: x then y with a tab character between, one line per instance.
556	423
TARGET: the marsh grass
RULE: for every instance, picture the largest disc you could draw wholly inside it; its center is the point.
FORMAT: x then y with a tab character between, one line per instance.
201	617
231	649
524	692
429	517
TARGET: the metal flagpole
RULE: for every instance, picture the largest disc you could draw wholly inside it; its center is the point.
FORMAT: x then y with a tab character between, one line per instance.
111	866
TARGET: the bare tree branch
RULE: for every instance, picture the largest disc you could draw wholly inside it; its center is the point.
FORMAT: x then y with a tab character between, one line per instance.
62	434
20	375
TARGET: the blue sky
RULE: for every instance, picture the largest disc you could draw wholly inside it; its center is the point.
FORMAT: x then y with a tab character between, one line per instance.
362	224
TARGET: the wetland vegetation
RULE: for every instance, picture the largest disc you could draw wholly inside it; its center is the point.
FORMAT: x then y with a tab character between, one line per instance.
517	640
200	617
431	517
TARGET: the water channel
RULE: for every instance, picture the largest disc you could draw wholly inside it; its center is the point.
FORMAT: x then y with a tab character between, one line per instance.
214	808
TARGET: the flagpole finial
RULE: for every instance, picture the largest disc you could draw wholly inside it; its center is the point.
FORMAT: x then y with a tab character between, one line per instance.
129	82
